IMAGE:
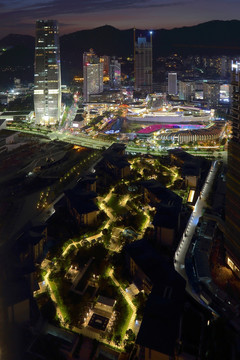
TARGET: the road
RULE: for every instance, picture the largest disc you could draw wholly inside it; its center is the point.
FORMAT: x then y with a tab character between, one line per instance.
180	254
86	141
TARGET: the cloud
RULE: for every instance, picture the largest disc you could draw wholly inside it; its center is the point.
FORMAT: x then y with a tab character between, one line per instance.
60	7
21	14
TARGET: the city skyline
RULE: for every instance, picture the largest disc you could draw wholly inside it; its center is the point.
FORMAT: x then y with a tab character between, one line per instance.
19	17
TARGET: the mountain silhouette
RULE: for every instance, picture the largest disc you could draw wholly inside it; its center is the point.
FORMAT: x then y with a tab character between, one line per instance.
210	38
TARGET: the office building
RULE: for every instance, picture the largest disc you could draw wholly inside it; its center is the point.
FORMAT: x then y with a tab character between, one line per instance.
47	76
106	65
115	74
211	94
232	242
92	74
186	90
225	93
143	64
172	83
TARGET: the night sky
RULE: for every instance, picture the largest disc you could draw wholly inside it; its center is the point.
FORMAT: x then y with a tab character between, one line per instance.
18	16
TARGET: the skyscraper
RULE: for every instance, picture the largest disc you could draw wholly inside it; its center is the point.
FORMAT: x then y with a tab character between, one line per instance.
211	93
143	64
106	64
115	74
232	243
92	74
186	90
172	83
47	76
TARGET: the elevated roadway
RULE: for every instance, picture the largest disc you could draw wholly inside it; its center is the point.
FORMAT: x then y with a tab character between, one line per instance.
181	252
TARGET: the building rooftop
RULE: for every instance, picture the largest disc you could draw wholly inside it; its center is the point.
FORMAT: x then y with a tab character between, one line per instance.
115	147
117	160
17	291
106	301
78	118
181	154
4	133
162	193
23	112
162	316
32	235
154	265
87	179
82	200
167	215
191	168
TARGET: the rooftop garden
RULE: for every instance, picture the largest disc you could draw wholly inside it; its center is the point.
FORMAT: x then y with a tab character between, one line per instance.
122	219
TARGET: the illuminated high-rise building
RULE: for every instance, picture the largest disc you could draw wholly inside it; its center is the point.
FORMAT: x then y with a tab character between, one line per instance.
106	64
211	93
143	64
92	74
47	76
232	216
172	83
115	74
186	90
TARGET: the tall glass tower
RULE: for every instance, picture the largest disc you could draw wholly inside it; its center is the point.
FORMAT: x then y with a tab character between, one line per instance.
233	179
172	83
143	64
92	74
47	76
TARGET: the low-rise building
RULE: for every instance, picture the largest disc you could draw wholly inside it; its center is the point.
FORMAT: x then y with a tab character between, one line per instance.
191	174
82	205
160	333
179	156
3	124
168	209
18	301
115	161
213	133
166	223
31	243
88	182
62	341
143	260
105	304
17	115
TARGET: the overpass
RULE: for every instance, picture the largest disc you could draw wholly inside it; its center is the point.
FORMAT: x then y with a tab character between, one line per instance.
181	252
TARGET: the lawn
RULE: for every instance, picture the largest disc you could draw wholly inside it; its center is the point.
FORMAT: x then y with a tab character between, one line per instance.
60	304
114	204
123	327
109	289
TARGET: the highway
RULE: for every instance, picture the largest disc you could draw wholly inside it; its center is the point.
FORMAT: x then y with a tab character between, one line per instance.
180	254
86	141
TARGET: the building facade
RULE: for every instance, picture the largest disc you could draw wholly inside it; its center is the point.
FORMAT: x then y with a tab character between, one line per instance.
115	74
143	64
106	65
232	242
172	83
92	74
47	74
186	90
211	93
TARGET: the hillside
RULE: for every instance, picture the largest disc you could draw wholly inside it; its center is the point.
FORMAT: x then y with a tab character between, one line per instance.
210	38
